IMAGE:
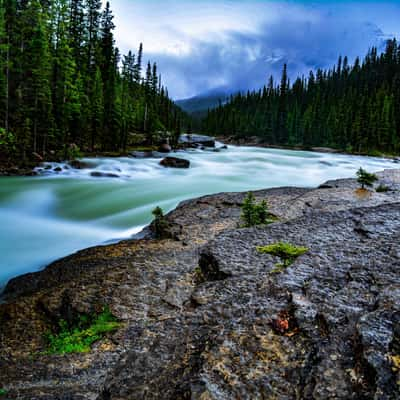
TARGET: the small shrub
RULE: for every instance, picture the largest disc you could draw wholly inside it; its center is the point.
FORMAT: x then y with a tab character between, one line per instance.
365	178
382	188
160	224
198	275
375	153
80	337
3	392
255	214
287	252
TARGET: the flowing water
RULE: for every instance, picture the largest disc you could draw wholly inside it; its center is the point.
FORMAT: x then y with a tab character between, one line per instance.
57	213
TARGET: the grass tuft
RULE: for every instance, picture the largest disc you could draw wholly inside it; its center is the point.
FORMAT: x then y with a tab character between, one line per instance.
382	189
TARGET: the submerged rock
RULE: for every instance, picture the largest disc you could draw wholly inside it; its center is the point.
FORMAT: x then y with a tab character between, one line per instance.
206	317
97	174
146	154
174	162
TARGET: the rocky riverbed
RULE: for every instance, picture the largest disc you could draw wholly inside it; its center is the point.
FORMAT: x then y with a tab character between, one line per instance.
204	316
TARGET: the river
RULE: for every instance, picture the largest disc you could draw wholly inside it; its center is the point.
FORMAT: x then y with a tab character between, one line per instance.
55	214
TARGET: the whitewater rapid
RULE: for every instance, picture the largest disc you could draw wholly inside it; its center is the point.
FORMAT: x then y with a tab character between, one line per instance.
55	214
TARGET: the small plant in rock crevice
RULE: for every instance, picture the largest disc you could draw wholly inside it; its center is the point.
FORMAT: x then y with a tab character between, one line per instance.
79	337
287	252
365	178
255	213
160	223
3	392
382	188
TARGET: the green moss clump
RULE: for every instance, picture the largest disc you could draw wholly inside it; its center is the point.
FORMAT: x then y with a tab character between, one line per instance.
255	213
286	251
80	337
3	392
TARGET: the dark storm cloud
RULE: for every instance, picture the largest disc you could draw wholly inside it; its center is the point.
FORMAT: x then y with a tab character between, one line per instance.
239	61
205	44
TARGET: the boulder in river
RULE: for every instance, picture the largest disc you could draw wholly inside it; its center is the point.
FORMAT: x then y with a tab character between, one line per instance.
174	162
77	164
165	148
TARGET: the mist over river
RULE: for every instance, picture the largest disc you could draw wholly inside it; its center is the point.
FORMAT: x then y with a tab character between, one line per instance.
55	214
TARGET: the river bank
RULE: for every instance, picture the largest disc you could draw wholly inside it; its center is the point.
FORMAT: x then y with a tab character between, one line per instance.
10	167
202	315
254	141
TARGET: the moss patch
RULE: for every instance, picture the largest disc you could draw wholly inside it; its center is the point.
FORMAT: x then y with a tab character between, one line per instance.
287	252
80	337
3	392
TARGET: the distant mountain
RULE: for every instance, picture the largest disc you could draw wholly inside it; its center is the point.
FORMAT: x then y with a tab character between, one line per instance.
200	104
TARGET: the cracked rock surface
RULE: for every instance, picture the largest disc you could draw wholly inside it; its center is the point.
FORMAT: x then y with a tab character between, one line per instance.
204	316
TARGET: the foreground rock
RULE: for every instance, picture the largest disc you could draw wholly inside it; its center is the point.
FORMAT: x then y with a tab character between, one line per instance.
174	162
203	316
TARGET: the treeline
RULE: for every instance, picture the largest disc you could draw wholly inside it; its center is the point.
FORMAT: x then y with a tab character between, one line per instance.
350	107
64	84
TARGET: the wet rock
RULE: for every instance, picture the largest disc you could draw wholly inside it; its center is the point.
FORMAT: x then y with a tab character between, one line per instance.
165	148
174	162
57	169
327	163
98	174
78	164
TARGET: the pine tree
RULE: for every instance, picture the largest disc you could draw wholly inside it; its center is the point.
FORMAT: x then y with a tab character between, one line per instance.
138	65
93	17
35	88
97	110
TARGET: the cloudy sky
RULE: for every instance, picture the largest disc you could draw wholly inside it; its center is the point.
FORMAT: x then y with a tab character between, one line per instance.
236	44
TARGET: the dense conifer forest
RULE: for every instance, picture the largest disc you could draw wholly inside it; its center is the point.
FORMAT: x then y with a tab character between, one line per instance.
355	108
64	85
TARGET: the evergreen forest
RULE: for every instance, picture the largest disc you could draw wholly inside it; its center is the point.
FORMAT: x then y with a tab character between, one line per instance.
65	87
354	108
